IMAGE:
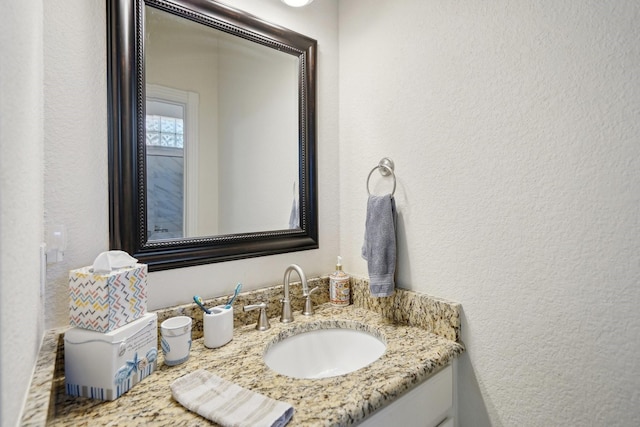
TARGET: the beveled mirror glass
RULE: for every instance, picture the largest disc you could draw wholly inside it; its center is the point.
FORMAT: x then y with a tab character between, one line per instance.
212	134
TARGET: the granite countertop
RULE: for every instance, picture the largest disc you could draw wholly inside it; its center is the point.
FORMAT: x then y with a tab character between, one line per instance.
413	353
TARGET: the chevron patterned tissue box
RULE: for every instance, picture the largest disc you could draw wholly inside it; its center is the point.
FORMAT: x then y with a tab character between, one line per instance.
104	302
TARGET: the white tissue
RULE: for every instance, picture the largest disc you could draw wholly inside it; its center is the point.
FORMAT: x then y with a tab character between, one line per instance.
112	260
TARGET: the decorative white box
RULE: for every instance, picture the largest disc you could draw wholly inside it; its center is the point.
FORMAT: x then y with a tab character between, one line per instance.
106	365
104	302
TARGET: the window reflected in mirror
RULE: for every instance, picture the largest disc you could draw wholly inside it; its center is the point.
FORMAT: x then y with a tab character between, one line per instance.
165	170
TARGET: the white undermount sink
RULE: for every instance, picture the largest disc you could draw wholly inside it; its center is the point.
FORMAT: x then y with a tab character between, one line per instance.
323	353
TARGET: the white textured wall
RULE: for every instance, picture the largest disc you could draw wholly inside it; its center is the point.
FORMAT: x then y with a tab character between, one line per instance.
21	203
75	124
76	154
515	129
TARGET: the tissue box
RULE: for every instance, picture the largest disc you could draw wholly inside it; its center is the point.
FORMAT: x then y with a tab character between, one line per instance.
104	302
106	365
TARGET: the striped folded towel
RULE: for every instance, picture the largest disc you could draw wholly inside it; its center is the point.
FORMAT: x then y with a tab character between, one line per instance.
228	404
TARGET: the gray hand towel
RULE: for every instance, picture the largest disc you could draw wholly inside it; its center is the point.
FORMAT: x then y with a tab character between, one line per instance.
294	216
379	248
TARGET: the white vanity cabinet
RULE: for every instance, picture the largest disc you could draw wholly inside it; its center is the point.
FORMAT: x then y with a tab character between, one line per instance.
429	404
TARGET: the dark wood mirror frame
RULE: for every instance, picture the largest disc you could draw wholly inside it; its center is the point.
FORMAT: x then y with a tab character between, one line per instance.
127	151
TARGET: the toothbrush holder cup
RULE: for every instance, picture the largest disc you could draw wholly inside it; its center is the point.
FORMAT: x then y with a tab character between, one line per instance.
218	326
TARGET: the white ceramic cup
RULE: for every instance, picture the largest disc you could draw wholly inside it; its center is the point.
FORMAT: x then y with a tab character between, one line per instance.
176	339
218	326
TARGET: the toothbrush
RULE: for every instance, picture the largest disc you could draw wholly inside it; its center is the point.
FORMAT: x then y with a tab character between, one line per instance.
235	294
200	303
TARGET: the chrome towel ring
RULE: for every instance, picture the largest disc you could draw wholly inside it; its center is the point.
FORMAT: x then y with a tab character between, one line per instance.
385	166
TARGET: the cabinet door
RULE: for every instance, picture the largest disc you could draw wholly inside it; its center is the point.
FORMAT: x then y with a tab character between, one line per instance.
425	405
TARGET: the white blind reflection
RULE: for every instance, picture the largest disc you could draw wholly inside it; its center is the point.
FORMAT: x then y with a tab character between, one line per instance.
162	131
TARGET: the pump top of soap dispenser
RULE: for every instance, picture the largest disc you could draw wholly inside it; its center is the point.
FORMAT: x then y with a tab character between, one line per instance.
338	274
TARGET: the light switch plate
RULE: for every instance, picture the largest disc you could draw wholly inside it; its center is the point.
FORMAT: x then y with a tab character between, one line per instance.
43	268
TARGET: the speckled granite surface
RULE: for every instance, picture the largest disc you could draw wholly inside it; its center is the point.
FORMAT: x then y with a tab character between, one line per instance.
40	398
420	332
405	307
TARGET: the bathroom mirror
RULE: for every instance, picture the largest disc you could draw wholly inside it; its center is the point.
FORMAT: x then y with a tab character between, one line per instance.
212	139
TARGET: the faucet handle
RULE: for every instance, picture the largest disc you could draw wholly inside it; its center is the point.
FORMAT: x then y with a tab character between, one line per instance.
263	321
308	305
311	291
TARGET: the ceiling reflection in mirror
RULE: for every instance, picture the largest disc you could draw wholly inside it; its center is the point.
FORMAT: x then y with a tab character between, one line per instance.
221	132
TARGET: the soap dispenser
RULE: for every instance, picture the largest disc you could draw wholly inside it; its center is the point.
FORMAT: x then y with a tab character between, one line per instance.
339	286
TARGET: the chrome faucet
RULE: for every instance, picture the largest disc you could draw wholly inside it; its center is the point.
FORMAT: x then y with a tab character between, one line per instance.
286	315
